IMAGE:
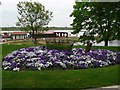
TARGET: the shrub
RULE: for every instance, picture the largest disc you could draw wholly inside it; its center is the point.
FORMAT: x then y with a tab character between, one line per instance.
59	46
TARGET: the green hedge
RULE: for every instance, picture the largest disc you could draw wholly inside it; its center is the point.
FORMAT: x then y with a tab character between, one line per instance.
59	46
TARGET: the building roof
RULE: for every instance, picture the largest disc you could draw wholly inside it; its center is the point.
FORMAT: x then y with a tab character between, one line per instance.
49	32
18	33
7	35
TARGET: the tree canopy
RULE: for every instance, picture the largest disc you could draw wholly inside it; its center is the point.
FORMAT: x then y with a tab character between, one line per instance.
98	18
33	16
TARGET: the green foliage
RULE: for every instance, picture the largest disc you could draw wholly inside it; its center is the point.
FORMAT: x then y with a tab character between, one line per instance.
44	28
11	28
33	16
59	46
85	39
60	28
98	18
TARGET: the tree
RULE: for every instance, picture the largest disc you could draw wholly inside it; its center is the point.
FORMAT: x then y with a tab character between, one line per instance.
108	20
32	17
98	18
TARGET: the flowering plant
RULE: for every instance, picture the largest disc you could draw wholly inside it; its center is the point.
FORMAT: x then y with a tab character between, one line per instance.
40	58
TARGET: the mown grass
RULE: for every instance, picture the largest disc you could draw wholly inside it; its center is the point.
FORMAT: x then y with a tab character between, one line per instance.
83	78
21	42
6	49
112	48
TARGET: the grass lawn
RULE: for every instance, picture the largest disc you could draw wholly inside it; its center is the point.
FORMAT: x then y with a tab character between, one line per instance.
113	48
21	42
82	78
6	49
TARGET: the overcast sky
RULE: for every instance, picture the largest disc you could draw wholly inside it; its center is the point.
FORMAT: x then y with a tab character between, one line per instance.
61	11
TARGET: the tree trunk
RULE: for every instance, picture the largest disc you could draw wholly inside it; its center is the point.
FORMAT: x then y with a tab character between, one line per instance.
106	42
35	40
34	37
88	47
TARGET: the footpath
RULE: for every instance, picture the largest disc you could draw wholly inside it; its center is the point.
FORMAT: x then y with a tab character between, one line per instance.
115	87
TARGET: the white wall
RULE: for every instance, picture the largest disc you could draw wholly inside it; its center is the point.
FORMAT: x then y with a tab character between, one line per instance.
69	33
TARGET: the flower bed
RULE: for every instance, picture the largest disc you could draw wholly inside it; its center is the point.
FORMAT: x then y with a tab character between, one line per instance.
40	58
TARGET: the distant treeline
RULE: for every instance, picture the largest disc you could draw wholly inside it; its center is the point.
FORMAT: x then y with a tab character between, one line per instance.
49	28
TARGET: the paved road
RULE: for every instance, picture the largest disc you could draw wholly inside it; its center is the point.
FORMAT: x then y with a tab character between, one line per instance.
2	42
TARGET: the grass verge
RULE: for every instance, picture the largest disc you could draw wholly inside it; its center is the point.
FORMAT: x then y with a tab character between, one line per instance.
82	78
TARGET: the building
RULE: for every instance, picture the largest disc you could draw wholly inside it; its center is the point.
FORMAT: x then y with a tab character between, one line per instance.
67	33
4	37
18	35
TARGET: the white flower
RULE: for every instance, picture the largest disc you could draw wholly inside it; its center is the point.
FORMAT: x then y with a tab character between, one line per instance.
108	62
36	64
71	56
89	61
92	59
108	55
41	51
62	54
23	52
83	51
17	59
6	67
62	64
100	61
10	55
46	65
100	65
81	62
50	63
71	62
49	55
31	54
49	52
5	63
16	69
39	68
14	52
54	58
30	64
105	64
68	57
114	57
32	59
28	59
73	49
41	65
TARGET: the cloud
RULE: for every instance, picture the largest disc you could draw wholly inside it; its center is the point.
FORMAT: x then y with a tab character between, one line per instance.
61	10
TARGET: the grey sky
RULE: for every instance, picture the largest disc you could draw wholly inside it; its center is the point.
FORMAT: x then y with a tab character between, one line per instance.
61	11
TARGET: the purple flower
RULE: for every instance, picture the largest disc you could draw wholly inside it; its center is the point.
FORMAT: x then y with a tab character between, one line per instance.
96	64
7	59
77	58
